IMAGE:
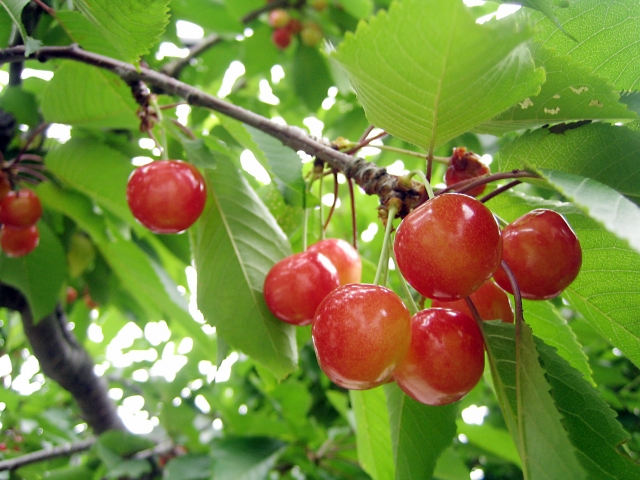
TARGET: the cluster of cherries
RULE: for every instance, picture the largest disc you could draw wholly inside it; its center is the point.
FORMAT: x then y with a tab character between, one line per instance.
285	27
20	210
448	249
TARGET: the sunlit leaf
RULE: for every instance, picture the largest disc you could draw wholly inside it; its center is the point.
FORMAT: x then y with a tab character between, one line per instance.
429	78
244	458
236	243
14	9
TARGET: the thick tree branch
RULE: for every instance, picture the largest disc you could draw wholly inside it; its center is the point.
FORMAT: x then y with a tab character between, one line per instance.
371	178
48	454
64	360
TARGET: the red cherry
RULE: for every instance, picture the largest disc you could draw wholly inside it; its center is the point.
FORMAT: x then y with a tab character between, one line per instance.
166	196
21	208
279	18
445	359
448	246
295	286
345	258
464	165
5	185
294	26
490	300
71	295
18	241
281	38
543	253
360	334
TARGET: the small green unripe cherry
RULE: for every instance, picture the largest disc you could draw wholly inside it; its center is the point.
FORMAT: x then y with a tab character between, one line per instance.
311	34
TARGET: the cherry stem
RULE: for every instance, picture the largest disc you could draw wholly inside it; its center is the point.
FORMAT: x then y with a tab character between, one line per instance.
164	154
429	165
39	129
30	171
500	190
335	200
470	184
186	130
519	320
354	223
423	179
321	210
172	105
413	307
366	133
354	147
383	263
45	7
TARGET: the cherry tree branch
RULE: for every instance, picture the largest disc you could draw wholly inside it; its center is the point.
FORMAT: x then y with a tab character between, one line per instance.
65	361
371	178
47	454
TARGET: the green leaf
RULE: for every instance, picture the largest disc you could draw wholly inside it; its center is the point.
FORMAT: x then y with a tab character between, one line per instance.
617	214
237	241
450	466
426	72
548	324
189	467
85	33
494	440
22	104
373	437
131	26
244	458
419	433
607	34
571	93
589	420
606	153
284	164
82	95
39	275
358	8
544	446
95	169
547	7
310	76
70	473
14	9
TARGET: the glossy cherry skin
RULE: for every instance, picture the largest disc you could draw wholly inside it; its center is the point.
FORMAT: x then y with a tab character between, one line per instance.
360	334
490	300
448	246
345	258
281	37
465	165
445	359
543	253
21	208
18	241
295	286
166	196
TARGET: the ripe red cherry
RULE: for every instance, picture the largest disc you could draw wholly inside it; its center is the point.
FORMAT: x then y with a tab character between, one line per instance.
445	359
345	258
295	286
464	165
448	246
166	196
490	300
18	241
281	37
21	208
360	334
543	253
294	26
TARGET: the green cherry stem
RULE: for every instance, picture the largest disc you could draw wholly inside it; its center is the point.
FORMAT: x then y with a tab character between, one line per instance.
423	179
164	154
383	263
413	307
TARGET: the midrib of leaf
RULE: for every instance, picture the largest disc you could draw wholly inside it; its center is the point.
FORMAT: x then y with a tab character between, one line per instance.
436	104
246	276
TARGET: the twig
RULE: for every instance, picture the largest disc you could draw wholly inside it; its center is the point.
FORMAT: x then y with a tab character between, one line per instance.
45	7
373	179
47	454
176	66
